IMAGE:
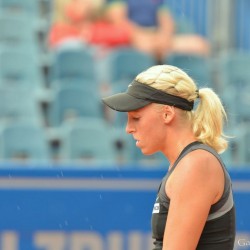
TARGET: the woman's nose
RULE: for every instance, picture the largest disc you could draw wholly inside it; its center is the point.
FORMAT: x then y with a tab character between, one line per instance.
129	128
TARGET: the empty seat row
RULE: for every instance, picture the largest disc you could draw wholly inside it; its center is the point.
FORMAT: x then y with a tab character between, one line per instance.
20	68
84	141
31	8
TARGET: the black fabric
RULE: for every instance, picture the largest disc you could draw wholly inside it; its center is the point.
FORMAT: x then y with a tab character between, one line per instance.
218	233
215	235
139	95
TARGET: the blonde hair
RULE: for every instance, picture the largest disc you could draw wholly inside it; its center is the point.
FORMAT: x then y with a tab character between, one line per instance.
207	118
59	8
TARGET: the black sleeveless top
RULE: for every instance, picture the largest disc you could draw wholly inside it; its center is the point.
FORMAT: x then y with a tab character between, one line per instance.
219	230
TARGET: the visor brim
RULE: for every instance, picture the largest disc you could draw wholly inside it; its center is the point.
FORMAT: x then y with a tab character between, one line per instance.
124	102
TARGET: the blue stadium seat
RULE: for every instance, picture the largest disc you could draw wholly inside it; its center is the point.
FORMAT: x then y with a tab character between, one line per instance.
234	67
87	140
235	85
75	82
23	141
30	8
20	68
27	6
126	63
73	63
73	102
17	31
237	153
18	103
123	145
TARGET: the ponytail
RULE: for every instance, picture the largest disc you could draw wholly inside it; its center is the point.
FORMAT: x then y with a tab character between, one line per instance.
208	120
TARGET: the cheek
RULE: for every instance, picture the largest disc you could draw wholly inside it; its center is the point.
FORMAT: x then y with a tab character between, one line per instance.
153	133
156	137
159	131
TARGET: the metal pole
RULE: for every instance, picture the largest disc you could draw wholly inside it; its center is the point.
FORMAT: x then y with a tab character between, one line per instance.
221	25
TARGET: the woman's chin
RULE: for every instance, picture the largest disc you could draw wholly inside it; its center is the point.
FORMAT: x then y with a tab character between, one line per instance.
147	152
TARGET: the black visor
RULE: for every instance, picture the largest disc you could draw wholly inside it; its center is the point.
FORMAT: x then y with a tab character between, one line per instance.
138	95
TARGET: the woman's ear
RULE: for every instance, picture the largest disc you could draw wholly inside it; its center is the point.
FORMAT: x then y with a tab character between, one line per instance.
168	113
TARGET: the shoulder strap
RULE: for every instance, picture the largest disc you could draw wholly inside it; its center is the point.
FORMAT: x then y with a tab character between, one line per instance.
190	147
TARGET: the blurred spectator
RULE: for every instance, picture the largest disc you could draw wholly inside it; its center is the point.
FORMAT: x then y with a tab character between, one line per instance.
113	27
156	32
89	21
71	21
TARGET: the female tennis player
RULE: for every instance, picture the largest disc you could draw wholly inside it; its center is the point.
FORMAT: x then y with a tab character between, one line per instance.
194	207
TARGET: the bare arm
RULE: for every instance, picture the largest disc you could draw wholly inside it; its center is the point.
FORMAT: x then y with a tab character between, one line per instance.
165	32
195	185
166	23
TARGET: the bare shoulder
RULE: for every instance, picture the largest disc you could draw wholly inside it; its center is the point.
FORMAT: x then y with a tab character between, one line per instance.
198	163
197	170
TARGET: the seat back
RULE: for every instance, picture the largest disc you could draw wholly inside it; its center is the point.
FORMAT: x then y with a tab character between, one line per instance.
237	152
235	85
73	63
88	140
17	31
24	142
73	102
19	104
20	67
126	63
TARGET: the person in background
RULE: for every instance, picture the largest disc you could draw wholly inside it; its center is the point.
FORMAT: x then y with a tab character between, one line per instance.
194	207
156	23
89	22
72	20
113	29
156	30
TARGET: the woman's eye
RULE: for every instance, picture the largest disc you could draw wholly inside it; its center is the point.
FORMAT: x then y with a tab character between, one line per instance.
136	118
